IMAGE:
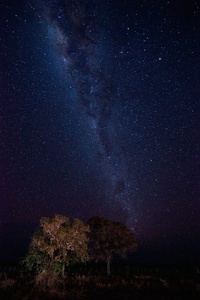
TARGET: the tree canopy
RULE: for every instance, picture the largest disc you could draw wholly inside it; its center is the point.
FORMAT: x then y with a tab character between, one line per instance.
58	243
108	238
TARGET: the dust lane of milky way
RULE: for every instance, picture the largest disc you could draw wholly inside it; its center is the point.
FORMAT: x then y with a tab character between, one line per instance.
78	37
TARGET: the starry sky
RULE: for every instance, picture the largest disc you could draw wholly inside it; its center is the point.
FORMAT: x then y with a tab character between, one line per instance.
101	116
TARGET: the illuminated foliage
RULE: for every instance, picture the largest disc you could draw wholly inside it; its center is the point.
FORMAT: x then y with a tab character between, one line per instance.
57	244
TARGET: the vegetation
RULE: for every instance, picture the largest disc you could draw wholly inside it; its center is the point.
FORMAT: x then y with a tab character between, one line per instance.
129	282
107	238
57	244
60	245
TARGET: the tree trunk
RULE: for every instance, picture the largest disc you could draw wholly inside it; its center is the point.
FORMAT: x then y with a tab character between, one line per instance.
64	255
63	269
108	265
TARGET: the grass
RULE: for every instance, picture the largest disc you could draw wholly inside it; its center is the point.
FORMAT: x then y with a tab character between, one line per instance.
130	282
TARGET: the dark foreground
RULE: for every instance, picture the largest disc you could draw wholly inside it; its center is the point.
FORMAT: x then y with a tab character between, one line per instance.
138	283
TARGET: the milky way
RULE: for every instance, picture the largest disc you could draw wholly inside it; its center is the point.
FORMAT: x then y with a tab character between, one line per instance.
77	35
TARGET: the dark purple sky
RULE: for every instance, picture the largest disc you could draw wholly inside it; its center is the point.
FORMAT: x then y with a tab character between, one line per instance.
101	116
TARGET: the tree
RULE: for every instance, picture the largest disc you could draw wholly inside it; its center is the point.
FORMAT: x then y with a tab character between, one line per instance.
57	244
107	238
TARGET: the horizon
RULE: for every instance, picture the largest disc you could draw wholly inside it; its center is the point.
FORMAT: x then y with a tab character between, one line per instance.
146	253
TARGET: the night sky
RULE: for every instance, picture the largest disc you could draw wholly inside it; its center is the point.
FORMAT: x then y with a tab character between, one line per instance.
101	116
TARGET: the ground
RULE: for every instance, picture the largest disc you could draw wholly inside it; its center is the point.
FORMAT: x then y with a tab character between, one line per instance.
130	282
